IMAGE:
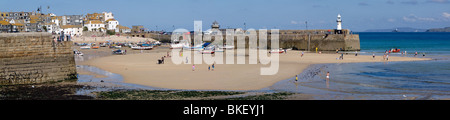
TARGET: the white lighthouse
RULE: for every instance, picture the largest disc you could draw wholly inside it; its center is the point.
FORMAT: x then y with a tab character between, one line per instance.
339	24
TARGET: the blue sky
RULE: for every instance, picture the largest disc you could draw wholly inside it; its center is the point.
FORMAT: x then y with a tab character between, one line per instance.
357	15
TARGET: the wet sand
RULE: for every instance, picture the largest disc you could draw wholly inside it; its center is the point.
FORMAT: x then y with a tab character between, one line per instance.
141	68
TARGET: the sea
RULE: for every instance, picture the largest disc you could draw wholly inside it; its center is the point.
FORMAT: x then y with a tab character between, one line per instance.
418	80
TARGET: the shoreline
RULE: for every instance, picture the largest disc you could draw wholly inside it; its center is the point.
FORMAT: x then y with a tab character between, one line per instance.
136	71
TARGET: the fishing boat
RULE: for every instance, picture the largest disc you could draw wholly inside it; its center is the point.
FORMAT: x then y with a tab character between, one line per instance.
141	48
227	47
77	53
118	47
207	51
95	47
85	47
103	45
218	50
276	51
119	52
178	44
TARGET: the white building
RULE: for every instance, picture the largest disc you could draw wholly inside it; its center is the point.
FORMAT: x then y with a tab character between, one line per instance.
112	25
107	16
72	30
95	25
123	29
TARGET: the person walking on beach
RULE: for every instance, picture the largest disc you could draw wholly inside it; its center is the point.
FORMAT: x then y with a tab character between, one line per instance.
296	78
328	75
193	67
373	56
387	57
209	68
212	67
302	54
415	54
162	59
285	51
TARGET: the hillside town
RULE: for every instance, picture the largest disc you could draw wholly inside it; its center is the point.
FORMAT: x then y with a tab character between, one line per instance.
73	25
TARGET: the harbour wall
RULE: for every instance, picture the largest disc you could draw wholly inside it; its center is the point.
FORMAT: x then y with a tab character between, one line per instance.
324	40
28	58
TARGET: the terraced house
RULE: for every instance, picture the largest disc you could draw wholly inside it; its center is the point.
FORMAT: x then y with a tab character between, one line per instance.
69	24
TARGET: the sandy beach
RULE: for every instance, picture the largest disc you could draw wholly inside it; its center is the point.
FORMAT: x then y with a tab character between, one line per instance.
141	68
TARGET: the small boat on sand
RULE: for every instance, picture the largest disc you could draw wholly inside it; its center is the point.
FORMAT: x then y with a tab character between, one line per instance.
227	47
85	47
276	51
119	52
207	52
77	53
95	47
141	48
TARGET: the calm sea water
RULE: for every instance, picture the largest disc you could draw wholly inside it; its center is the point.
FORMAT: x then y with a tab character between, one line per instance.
391	80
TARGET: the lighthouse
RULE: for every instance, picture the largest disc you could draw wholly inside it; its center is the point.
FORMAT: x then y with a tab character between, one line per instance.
339	24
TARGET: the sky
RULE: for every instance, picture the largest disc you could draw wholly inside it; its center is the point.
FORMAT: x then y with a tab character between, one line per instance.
357	15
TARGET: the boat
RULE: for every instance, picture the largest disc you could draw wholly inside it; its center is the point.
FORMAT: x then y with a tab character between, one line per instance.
276	51
395	50
95	47
218	50
178	44
85	47
103	45
119	52
207	51
77	53
118	47
141	48
227	47
396	30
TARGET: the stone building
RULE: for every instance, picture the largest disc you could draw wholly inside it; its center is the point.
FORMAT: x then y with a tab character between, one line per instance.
137	29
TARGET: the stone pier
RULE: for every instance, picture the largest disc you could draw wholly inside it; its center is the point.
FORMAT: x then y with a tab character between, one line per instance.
27	58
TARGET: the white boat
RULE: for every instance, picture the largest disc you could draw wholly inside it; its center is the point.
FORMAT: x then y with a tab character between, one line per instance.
227	47
118	47
141	48
85	47
276	51
178	44
77	53
207	52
